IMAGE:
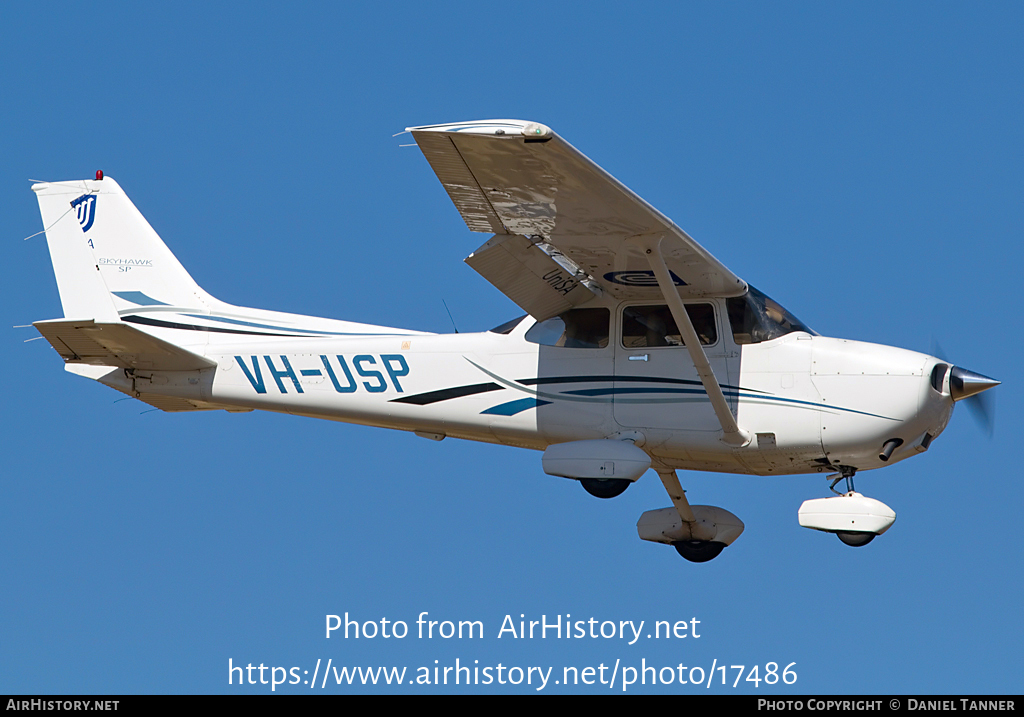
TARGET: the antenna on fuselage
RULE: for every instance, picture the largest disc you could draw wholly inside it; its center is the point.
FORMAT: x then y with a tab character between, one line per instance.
450	315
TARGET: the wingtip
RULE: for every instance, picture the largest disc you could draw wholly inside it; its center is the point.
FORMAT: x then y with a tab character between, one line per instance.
490	127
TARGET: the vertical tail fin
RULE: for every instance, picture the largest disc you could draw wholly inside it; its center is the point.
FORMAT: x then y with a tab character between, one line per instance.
112	267
106	254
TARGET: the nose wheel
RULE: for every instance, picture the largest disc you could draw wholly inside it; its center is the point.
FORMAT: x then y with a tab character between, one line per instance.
853	538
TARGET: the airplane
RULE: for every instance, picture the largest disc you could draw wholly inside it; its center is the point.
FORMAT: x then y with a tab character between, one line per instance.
638	349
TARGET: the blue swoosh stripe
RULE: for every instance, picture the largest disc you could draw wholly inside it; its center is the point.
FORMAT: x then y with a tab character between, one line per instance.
519	387
513	407
137	297
627	390
279	328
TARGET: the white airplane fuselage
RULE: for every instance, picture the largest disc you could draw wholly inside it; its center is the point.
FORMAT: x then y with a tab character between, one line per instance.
809	402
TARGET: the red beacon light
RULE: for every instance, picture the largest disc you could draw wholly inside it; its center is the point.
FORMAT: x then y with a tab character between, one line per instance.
99	174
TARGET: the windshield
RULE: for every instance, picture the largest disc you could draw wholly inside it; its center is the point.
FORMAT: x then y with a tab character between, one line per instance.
754	317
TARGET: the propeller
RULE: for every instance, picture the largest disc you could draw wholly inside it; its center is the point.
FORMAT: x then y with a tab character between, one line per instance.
970	387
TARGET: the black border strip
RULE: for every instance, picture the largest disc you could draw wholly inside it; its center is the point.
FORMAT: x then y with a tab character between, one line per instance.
631	379
193	327
423	399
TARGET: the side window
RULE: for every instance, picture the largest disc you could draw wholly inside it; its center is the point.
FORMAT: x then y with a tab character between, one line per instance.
509	326
651	326
573	329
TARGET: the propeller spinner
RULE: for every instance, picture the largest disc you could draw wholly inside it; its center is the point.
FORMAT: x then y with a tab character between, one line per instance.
964	384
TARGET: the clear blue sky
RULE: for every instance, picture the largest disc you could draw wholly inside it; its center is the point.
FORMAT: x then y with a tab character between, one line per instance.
861	163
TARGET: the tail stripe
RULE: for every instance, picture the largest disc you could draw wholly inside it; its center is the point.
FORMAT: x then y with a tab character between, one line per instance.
137	297
145	320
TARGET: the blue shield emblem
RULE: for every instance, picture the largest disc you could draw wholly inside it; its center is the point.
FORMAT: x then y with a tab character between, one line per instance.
85	208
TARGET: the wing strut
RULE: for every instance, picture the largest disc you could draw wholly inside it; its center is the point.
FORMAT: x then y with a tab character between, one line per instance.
732	434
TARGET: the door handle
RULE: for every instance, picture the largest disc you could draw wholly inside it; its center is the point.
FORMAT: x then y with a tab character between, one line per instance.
638	357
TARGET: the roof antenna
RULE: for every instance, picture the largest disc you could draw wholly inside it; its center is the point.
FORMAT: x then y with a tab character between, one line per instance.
450	315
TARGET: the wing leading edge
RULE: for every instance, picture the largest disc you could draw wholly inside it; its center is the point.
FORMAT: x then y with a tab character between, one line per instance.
551	208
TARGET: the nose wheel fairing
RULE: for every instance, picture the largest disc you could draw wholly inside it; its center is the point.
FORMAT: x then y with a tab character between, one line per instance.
855	518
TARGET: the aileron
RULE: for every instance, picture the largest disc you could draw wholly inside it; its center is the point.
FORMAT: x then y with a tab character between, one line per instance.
457	179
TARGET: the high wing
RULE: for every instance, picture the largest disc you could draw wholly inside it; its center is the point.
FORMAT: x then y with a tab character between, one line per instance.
565	230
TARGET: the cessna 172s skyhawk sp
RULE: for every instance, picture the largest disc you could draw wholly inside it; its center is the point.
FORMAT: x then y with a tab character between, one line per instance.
640	350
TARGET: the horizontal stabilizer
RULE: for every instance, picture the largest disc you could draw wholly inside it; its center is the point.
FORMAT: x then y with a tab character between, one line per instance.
117	344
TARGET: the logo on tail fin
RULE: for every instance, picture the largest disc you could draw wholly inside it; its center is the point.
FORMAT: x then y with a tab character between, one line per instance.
85	207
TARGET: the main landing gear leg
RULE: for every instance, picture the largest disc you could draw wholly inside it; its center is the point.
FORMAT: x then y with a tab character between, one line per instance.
670	480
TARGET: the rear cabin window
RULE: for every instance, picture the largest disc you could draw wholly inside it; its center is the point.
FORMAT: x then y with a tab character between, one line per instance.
652	326
573	329
509	326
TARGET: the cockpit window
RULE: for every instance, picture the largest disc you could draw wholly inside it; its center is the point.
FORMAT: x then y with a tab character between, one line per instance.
647	326
508	326
573	329
755	317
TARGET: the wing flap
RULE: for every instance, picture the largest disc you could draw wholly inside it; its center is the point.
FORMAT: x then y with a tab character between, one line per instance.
117	344
533	279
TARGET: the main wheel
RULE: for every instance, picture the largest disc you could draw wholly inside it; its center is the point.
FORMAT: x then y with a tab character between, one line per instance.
699	551
856	540
604	487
